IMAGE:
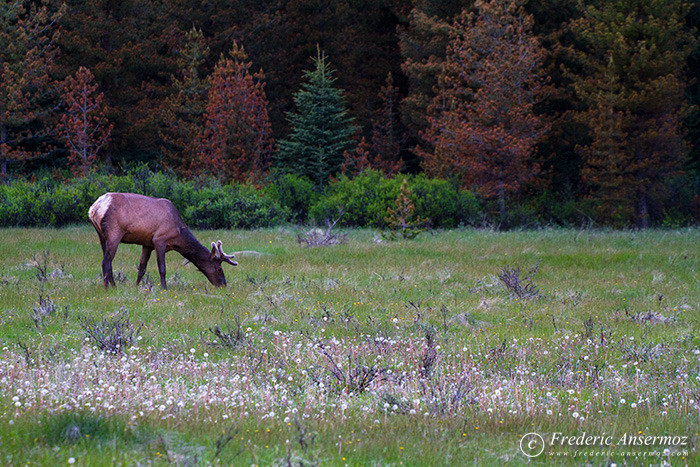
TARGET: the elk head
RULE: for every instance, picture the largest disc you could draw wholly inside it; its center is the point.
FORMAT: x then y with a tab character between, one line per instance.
213	269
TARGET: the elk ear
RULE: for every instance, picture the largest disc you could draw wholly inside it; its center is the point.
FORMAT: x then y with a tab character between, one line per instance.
214	251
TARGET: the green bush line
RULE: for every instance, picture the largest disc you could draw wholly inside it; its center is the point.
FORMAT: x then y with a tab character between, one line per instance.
208	204
201	204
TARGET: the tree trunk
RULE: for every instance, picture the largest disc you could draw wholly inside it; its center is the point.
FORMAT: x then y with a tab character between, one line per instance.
501	200
3	154
643	211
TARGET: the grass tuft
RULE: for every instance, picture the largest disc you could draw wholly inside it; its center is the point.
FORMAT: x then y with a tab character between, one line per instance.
114	335
523	288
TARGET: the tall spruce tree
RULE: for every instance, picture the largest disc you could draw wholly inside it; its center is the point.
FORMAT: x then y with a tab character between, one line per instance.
182	112
634	84
321	127
423	41
27	54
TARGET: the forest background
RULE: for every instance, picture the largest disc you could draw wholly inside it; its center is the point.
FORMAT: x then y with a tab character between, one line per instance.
501	112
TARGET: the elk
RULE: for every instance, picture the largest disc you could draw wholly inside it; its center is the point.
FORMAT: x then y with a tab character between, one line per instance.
155	224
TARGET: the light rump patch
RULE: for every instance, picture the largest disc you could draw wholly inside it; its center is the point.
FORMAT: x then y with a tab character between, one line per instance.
100	206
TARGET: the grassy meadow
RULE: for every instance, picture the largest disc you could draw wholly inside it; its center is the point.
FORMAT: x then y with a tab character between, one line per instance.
443	350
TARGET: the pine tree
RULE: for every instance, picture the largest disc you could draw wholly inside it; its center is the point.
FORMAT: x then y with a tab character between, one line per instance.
236	141
27	53
560	162
386	136
357	161
423	45
400	220
127	44
483	127
321	127
85	126
383	154
633	84
605	155
183	111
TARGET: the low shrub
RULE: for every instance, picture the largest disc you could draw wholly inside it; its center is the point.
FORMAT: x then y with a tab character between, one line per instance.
48	202
367	197
65	428
364	199
443	204
294	193
114	335
233	206
206	203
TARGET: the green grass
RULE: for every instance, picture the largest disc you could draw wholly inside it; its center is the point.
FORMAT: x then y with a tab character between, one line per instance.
458	368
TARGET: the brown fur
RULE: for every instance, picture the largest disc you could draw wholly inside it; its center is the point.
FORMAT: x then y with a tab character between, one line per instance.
155	224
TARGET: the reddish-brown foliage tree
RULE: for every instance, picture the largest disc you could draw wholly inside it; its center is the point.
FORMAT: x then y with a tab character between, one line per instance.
261	26
84	125
27	52
357	160
483	128
382	153
236	142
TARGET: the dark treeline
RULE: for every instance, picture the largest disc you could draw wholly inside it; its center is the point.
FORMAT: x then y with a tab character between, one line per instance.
567	109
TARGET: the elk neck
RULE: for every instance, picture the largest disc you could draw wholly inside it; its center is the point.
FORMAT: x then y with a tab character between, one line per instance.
191	249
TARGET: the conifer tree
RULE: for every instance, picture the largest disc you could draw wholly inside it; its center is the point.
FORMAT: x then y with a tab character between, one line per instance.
236	141
560	162
400	220
357	161
127	44
321	127
27	52
633	84
483	128
386	137
423	44
183	111
85	126
383	154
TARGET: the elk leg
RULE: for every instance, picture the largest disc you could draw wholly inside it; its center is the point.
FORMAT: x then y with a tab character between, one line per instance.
110	250
145	256
105	265
160	257
102	244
